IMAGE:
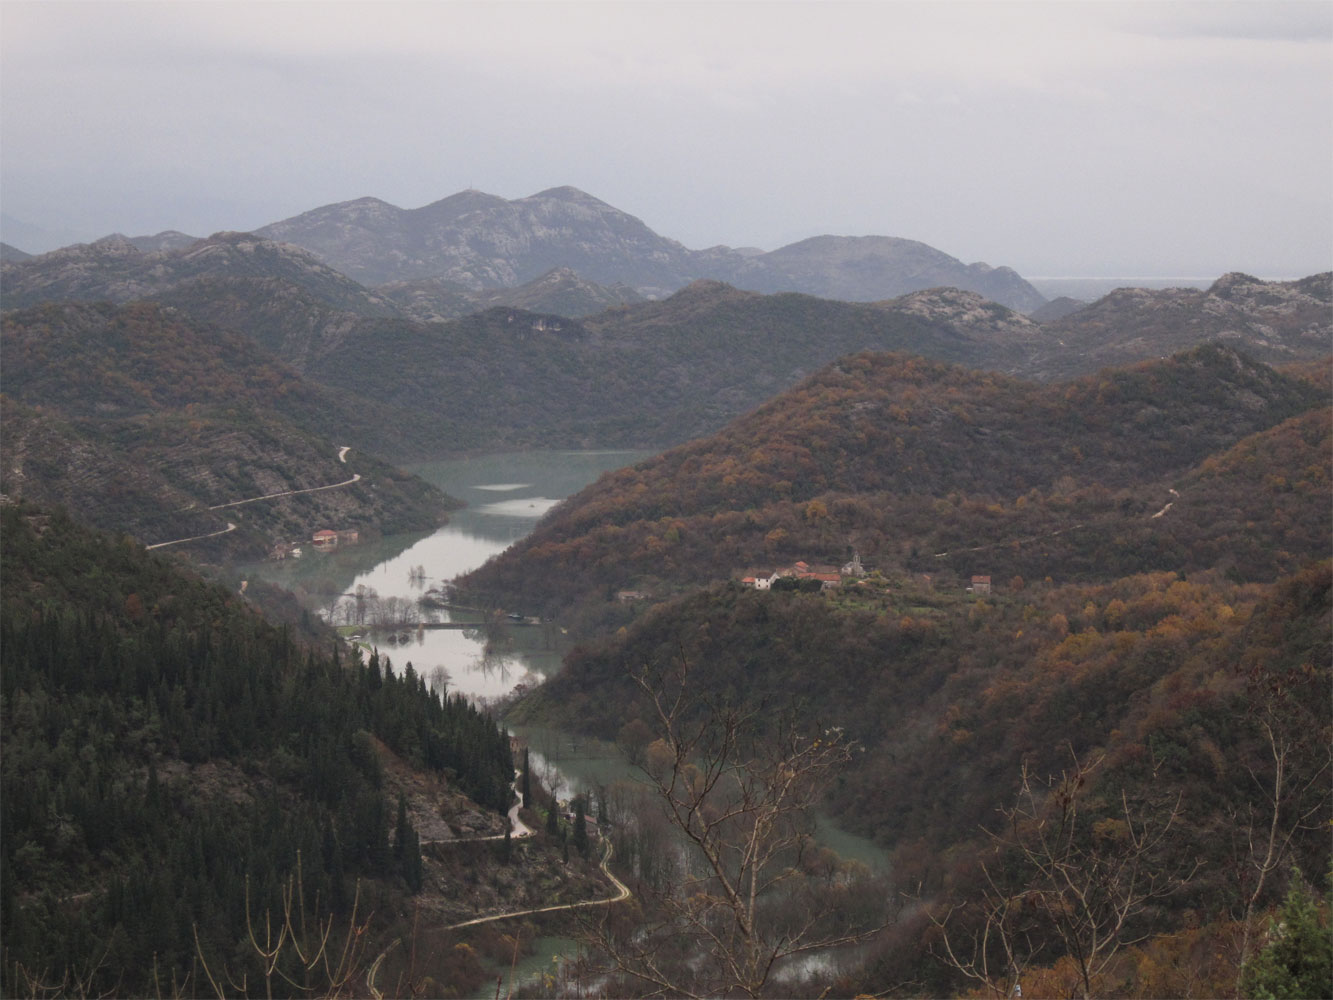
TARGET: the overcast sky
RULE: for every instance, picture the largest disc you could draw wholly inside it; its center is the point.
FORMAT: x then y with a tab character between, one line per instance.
1058	138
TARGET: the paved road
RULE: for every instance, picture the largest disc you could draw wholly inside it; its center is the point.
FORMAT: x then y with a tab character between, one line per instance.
622	893
342	457
289	493
178	541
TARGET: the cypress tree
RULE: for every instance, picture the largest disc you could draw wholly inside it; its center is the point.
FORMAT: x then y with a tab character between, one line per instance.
580	827
400	833
527	780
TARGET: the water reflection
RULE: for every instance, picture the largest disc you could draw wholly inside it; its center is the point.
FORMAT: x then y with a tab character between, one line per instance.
378	587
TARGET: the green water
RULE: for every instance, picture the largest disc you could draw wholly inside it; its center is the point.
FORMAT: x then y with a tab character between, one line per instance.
545	959
505	495
570	764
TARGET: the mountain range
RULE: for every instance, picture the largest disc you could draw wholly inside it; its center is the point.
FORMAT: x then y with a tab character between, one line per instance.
1084	535
473	242
629	372
481	241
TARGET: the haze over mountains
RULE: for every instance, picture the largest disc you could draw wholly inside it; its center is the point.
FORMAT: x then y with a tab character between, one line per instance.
477	242
1145	490
388	369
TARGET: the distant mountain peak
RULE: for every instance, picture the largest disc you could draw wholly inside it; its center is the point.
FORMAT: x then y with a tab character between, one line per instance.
482	242
565	192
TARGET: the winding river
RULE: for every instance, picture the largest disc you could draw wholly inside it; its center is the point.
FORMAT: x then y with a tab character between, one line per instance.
506	495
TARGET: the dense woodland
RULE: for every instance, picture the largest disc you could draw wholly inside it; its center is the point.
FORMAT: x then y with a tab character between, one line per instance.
1159	624
166	751
1150	670
933	469
1176	683
139	419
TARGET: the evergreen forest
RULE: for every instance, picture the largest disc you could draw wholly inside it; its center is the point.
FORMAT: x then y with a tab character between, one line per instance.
171	760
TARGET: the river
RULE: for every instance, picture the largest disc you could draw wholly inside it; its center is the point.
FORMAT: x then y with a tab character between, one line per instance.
506	495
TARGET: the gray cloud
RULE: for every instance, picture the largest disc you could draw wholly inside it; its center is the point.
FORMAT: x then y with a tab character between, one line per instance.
1057	138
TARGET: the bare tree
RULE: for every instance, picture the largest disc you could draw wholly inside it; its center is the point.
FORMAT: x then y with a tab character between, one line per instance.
297	942
1293	790
737	785
1078	892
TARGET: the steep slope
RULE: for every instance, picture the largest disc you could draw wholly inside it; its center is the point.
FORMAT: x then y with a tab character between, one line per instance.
888	452
133	416
171	763
1165	688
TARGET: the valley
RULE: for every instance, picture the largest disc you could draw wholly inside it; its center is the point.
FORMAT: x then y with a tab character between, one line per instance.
776	604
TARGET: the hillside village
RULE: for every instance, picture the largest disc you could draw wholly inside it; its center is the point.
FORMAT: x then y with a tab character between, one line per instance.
831	577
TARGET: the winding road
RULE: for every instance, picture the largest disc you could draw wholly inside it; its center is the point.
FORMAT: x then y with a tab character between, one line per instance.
520	829
288	493
342	457
1169	505
622	893
195	538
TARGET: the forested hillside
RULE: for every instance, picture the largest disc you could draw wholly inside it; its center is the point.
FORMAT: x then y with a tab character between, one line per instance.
141	421
930	468
656	373
1188	695
170	760
1148	620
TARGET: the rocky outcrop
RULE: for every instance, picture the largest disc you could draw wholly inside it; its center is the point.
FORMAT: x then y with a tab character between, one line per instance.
1272	321
115	269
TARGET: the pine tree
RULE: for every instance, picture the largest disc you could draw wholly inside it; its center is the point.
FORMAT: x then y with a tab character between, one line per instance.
1298	959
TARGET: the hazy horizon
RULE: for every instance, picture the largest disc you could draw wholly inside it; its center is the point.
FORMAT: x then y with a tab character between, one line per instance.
1079	140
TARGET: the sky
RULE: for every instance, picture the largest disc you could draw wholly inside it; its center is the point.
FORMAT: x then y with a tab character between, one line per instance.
1058	138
